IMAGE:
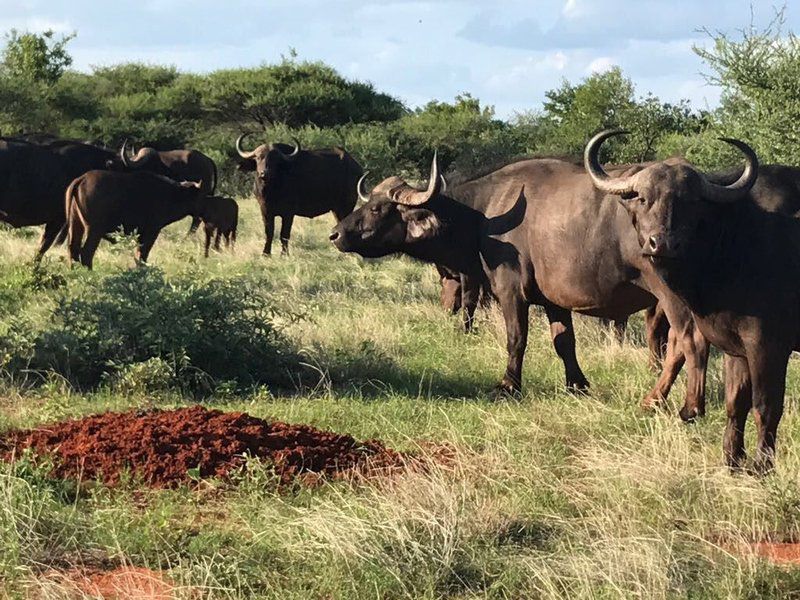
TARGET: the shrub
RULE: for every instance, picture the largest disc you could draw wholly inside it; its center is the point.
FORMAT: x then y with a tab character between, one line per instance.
138	329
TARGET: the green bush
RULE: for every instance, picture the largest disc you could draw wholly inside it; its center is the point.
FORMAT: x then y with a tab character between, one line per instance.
138	329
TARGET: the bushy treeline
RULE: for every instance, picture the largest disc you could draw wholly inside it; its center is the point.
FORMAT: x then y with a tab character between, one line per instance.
165	108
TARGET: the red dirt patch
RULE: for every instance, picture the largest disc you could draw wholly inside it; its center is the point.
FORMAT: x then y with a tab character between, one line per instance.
781	553
124	583
161	447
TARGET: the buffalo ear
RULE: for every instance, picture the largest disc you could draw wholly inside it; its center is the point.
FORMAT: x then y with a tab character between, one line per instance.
248	164
421	224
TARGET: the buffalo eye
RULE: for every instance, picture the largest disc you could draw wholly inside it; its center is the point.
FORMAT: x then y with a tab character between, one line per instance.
375	209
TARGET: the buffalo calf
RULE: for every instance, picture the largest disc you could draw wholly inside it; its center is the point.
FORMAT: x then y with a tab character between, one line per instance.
220	216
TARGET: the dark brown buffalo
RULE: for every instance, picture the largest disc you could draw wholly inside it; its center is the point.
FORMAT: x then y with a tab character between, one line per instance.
34	177
776	190
180	165
737	268
482	230
535	231
100	202
305	183
220	217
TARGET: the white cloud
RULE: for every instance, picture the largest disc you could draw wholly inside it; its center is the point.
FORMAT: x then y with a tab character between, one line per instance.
557	60
37	24
601	64
572	9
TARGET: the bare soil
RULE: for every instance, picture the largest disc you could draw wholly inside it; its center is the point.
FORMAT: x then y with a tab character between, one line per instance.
173	447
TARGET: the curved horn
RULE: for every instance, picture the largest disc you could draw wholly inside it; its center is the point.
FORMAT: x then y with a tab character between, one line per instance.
291	156
740	187
418	198
362	195
241	152
601	180
444	184
123	154
130	162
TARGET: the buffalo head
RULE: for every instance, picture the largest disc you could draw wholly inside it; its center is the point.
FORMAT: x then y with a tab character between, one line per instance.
670	203
146	159
394	216
267	160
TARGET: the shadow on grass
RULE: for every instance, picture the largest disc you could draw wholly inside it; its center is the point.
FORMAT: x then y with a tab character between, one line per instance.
369	373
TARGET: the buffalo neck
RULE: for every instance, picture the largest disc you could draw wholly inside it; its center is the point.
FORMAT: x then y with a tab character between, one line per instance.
456	245
719	257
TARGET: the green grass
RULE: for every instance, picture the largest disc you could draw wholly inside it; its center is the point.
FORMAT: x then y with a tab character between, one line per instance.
550	496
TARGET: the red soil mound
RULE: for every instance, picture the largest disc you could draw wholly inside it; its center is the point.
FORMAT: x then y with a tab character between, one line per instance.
124	583
161	447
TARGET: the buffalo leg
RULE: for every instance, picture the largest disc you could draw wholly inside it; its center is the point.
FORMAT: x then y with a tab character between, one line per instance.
269	232
738	398
76	231
470	292
195	224
286	233
620	327
515	314
208	232
670	368
146	241
451	292
657	328
768	374
62	235
89	248
692	347
217	238
563	335
51	231
696	348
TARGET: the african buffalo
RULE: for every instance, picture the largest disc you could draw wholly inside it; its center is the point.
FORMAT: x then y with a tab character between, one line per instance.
737	268
776	190
536	233
34	177
220	217
305	183
180	165
100	202
479	230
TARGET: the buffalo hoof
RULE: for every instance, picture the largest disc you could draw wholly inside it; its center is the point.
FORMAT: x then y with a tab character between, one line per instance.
578	386
690	415
508	389
653	403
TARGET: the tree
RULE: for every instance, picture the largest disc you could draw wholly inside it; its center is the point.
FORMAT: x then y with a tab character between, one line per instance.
296	93
36	57
576	112
759	73
649	120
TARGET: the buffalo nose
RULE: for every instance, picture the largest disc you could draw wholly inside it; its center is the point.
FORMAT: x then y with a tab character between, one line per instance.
333	236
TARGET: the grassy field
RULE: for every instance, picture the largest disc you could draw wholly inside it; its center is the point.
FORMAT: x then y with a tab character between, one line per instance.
550	496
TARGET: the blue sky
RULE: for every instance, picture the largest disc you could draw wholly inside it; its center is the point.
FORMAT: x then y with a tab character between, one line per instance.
507	52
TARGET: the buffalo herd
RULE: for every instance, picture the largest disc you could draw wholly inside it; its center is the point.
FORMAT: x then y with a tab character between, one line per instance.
714	258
